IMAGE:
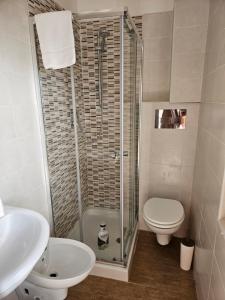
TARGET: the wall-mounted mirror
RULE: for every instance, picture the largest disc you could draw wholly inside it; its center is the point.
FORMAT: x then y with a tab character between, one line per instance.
170	118
158	40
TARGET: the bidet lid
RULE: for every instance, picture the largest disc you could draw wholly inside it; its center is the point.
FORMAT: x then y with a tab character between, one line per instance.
163	211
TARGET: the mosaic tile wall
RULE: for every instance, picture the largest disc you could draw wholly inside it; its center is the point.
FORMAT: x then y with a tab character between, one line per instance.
98	132
102	128
59	132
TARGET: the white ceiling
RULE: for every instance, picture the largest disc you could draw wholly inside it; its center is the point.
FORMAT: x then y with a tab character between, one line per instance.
135	7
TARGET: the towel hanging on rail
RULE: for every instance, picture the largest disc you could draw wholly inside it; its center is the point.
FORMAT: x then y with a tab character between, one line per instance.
55	32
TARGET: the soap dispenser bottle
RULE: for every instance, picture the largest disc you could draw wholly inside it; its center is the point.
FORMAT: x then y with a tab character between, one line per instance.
103	237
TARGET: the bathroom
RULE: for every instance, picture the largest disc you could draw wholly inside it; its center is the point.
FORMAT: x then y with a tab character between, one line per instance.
114	160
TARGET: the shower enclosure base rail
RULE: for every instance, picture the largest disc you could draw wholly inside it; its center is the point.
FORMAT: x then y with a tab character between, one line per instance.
105	266
113	271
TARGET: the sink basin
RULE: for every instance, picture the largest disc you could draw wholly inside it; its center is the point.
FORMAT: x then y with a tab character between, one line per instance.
24	235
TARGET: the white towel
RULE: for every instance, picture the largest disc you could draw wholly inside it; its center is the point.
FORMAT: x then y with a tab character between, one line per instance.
55	32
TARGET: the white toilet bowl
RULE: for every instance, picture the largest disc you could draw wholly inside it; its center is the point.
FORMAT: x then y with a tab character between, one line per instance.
64	264
164	217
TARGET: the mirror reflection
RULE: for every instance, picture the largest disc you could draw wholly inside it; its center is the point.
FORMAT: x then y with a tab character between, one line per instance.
170	118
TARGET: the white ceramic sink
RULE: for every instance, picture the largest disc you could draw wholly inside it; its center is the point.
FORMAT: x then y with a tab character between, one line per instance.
24	235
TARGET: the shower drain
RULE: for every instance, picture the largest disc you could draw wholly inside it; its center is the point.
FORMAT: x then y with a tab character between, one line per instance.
54	275
118	240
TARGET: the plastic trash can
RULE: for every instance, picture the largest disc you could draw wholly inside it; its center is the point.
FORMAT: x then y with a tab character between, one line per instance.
186	253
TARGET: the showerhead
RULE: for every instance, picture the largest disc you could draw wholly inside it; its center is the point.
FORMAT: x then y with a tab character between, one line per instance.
102	35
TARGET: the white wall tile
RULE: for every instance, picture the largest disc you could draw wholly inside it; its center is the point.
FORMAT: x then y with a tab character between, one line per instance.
220	253
210	156
203	261
5	88
189	39
7	130
22	172
191	13
167	158
188	53
157	25
216	282
157	39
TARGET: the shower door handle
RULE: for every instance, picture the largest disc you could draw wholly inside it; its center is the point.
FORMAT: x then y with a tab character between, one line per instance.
125	153
116	154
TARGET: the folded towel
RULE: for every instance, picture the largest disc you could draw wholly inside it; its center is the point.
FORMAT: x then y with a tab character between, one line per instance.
55	32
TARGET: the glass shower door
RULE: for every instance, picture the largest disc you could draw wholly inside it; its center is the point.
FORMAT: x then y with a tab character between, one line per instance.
129	131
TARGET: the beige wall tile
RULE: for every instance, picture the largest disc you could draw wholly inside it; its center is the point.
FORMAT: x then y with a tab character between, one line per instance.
167	159
203	261
187	66
217	282
157	35
157	25
191	13
158	49
155	93
189	41
156	80
186	89
208	187
22	172
220	253
157	73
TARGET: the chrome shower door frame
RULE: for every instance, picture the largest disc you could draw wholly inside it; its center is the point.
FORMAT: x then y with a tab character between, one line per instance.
126	18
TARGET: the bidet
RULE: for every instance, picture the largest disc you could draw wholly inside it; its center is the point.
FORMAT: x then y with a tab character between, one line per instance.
65	264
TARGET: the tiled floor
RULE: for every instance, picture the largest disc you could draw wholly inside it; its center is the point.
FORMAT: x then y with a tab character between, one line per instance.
155	275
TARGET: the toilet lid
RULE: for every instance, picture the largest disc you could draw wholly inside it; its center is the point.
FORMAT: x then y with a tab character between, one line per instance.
163	211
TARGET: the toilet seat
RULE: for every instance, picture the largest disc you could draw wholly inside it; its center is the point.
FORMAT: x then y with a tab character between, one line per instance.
163	213
157	225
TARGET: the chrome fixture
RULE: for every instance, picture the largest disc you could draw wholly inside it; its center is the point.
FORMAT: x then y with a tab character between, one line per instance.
2	211
101	48
116	154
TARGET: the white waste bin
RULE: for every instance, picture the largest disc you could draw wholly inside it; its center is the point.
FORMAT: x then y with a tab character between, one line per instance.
186	254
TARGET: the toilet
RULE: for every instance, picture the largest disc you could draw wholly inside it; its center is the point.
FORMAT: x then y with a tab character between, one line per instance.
164	217
64	264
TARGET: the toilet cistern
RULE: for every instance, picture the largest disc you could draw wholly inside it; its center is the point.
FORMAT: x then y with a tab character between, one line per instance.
2	211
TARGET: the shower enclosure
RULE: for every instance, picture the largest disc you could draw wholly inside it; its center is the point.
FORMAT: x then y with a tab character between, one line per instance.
92	139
